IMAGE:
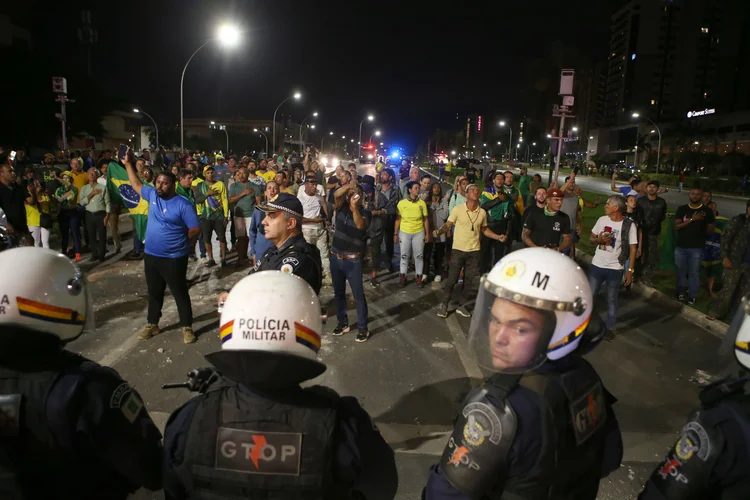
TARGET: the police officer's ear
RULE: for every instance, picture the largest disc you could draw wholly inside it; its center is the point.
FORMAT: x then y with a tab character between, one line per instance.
294	223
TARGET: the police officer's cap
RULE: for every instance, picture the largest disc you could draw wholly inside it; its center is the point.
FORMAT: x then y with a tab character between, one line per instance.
284	203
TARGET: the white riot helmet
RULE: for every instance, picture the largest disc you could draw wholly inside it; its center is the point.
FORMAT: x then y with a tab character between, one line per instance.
270	331
44	291
533	305
737	337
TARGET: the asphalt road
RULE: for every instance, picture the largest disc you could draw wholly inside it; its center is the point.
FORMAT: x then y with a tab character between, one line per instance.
729	206
414	371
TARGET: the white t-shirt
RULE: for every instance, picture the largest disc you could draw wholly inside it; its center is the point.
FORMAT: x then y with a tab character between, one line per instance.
607	258
312	207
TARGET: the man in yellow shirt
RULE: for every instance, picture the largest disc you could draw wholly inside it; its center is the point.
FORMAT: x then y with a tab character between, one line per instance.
265	172
282	179
79	177
212	196
470	221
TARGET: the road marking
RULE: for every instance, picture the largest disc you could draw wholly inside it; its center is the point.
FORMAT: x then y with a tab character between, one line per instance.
459	339
119	352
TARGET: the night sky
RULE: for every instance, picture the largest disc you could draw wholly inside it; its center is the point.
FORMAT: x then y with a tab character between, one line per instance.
413	64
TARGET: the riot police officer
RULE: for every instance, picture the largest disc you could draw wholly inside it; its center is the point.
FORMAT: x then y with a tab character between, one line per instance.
258	431
541	426
712	456
291	253
69	428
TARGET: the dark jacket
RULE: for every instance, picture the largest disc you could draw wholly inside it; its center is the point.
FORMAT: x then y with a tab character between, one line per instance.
734	240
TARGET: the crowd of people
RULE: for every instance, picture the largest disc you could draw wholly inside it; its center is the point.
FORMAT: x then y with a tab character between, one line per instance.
532	319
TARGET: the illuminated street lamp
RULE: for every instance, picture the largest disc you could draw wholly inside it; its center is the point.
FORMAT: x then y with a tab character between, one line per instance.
370	118
502	124
376	134
321	140
228	36
315	114
575	129
264	136
658	151
296	96
136	110
224	128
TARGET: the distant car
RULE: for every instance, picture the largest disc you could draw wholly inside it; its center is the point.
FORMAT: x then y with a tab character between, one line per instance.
368	154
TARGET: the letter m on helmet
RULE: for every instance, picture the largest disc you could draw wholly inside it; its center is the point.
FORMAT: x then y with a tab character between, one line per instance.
539	281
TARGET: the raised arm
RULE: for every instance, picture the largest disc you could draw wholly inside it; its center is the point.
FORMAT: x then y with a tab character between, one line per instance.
135	181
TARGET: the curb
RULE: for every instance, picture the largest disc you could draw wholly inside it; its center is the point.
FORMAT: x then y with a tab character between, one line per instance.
715	327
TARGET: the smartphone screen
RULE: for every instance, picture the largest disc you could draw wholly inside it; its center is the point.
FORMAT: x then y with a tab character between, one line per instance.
122	151
12	155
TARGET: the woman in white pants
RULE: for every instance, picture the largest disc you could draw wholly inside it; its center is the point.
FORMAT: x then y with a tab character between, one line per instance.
412	231
37	207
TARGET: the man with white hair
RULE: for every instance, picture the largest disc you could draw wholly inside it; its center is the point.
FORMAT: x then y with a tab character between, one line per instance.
616	238
413	176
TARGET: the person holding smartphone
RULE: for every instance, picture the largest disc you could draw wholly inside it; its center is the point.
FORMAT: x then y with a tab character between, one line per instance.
616	237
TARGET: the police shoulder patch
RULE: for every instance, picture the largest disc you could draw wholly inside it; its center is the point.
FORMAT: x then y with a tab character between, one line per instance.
693	441
115	401
127	401
290	260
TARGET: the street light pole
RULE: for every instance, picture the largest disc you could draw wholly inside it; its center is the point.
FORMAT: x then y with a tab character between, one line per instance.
359	143
510	143
182	108
300	129
321	141
224	128
264	136
152	121
229	35
658	151
295	96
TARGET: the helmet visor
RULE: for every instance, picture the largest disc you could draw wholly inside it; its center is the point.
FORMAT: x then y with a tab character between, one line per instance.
737	337
507	335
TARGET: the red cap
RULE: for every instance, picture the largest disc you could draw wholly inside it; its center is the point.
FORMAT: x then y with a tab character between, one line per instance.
555	193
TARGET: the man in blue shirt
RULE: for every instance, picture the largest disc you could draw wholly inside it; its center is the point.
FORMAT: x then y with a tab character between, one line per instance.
172	224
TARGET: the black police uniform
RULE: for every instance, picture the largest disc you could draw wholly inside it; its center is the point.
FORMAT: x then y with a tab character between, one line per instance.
712	456
70	428
548	434
241	442
295	256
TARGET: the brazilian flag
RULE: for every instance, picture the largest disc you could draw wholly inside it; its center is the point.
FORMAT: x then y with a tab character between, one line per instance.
122	192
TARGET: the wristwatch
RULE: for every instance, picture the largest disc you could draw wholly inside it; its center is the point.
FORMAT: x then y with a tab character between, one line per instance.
631	270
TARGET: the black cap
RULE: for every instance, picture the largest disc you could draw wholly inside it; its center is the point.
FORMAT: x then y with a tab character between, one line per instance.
653	183
311	179
284	202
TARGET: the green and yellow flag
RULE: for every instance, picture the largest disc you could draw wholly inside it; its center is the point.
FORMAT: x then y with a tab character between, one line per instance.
122	192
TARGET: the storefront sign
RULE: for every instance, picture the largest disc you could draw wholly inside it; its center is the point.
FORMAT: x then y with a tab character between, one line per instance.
702	112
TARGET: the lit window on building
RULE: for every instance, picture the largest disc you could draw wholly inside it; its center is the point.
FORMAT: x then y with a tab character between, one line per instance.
653	101
704	30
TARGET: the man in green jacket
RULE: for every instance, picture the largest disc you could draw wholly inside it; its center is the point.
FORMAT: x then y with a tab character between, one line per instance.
498	200
523	186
